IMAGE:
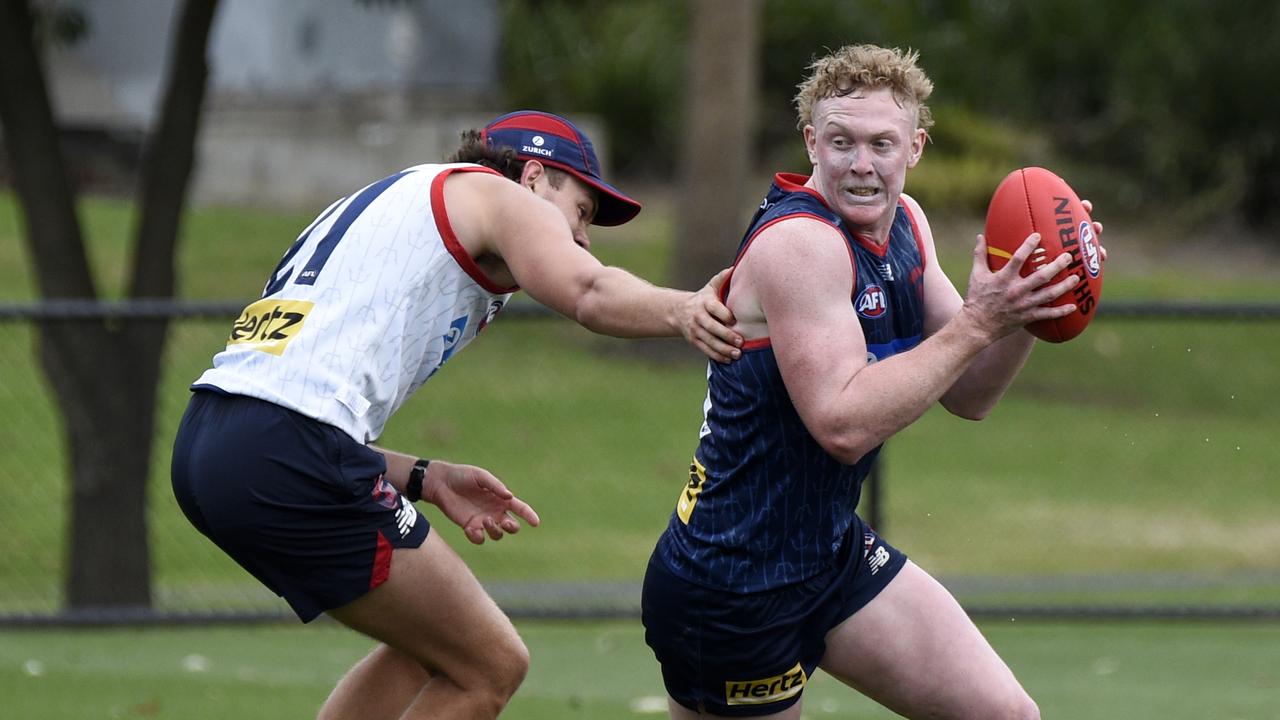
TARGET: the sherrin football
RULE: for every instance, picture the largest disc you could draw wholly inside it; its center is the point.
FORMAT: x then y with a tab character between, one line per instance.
1035	200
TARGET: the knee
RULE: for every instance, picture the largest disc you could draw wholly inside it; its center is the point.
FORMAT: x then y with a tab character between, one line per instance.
504	671
512	669
1022	707
1016	706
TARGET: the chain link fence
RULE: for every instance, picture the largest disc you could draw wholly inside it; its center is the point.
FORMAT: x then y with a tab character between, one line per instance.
1132	472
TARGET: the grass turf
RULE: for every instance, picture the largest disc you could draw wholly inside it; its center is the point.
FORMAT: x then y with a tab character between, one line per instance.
603	671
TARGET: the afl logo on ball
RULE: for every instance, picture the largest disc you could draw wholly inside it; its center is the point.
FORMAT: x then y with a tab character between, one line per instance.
872	302
1089	249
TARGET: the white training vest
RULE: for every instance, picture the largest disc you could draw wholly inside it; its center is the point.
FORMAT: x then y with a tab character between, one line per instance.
372	298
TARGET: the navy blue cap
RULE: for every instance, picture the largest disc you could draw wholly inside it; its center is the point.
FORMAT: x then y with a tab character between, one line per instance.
558	143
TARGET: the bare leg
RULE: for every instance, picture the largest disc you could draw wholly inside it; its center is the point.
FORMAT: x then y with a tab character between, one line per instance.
915	651
431	611
380	686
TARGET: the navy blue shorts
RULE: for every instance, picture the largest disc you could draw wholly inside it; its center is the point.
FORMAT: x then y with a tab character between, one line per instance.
298	503
737	654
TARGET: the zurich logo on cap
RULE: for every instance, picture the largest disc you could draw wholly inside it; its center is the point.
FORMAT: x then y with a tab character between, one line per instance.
560	144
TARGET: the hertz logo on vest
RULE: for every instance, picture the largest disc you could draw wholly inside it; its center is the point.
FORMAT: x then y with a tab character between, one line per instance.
771	689
268	325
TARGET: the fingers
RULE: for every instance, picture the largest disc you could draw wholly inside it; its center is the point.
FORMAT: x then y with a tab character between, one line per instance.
487	481
980	253
1088	207
1019	257
1047	294
716	349
499	523
715	325
491	527
718	281
524	511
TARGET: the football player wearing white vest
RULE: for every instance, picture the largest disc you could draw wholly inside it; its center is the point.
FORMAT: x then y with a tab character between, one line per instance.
273	460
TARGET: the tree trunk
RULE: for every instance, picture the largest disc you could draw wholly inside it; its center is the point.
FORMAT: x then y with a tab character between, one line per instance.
104	372
719	143
106	388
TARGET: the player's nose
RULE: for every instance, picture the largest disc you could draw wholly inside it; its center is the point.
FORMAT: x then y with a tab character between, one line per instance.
861	164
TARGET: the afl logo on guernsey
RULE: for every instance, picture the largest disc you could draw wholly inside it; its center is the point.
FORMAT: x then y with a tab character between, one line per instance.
872	302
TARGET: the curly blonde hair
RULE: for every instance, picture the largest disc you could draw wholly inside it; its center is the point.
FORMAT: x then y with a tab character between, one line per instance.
857	67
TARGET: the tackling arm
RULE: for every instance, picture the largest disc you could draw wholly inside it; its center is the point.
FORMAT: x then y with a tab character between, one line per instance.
533	240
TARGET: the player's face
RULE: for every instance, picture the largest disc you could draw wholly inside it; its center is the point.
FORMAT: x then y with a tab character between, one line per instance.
861	146
574	198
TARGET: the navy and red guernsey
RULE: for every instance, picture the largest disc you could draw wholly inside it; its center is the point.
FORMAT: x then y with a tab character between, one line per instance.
766	505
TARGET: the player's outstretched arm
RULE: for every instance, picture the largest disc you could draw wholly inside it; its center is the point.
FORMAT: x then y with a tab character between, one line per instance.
533	239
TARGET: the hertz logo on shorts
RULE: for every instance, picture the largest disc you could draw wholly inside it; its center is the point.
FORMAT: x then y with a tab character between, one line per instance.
771	689
268	325
689	494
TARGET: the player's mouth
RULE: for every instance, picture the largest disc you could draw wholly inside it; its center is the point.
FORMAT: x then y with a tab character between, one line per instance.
862	193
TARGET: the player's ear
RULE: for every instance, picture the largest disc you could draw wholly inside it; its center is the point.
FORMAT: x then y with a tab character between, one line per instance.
918	141
531	172
810	143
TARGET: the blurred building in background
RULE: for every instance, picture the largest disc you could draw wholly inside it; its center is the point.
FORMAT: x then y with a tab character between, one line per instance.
306	99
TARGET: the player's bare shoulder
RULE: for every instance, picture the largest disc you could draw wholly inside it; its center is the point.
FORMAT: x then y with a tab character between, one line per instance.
471	200
779	259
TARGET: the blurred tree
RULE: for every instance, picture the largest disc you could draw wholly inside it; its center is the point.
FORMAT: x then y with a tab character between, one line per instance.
718	142
104	372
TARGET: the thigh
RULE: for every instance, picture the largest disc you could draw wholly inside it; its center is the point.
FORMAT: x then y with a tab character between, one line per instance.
914	650
726	654
433	609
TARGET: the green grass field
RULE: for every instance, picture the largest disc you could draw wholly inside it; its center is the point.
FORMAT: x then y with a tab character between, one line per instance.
603	671
1134	466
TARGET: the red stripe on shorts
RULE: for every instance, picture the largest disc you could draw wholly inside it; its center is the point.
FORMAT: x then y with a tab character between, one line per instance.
381	562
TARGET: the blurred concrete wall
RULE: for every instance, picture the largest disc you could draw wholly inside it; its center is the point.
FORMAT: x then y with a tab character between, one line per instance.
308	98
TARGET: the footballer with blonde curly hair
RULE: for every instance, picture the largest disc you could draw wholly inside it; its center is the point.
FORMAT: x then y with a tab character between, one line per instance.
765	572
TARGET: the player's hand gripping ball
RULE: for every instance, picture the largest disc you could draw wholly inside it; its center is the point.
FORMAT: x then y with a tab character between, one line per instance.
1033	200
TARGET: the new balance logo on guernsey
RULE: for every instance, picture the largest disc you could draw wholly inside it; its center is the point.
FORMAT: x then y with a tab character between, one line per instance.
406	516
878	559
766	690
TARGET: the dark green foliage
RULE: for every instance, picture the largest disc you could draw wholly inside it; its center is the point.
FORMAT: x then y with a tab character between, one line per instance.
622	61
1147	104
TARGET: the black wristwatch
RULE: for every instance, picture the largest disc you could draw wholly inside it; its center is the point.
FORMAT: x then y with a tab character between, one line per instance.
413	489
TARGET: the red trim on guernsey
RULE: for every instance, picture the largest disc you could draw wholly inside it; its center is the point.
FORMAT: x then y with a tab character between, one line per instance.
381	562
915	230
757	343
451	243
795	182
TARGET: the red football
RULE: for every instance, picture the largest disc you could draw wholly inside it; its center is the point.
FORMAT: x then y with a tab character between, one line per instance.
1035	200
